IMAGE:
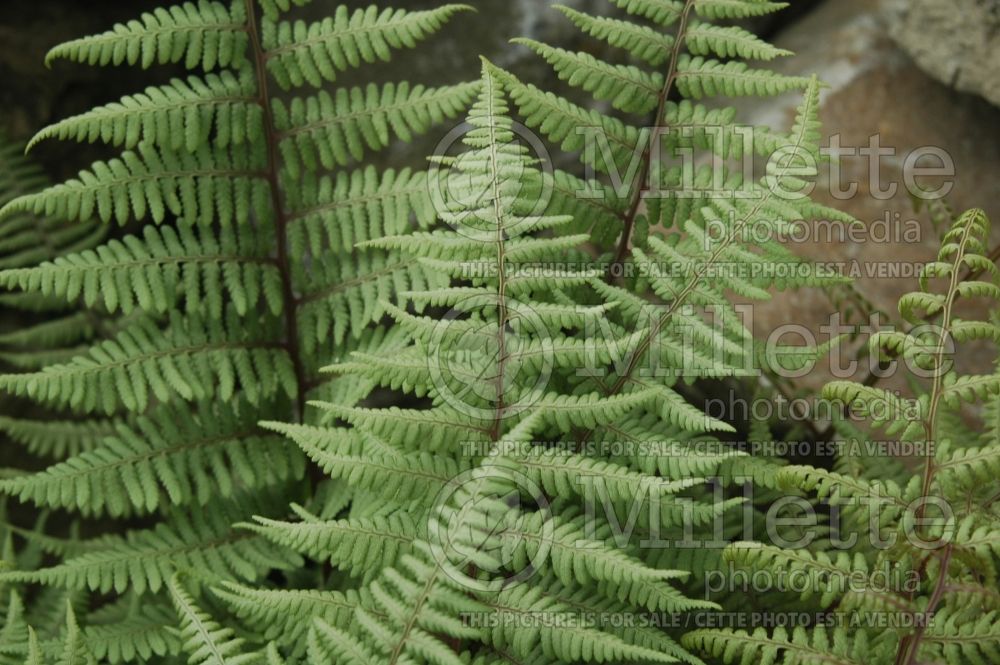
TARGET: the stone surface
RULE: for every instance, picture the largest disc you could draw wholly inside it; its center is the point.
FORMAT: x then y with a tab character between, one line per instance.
955	41
876	90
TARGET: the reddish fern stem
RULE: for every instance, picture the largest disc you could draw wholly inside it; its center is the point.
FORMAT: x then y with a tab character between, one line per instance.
291	343
641	186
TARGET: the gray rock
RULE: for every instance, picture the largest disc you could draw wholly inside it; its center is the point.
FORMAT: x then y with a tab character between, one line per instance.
875	88
956	41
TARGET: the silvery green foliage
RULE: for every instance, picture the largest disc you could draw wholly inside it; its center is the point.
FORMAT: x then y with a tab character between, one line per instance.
243	189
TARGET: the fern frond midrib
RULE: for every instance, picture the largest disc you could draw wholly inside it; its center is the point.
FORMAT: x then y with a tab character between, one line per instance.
207	635
692	284
408	18
190	259
642	184
349	284
944	333
499	216
342	526
494	432
352	116
291	342
355	201
162	452
175	351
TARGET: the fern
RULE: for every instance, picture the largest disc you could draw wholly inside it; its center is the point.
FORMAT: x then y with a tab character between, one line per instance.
152	355
291	407
498	374
205	640
506	406
954	560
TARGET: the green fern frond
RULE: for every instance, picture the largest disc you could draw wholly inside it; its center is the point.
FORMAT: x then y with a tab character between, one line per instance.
641	41
357	546
375	467
201	187
165	458
205	641
626	87
57	439
144	561
736	9
140	635
334	131
203	268
698	77
75	650
572	641
956	639
821	646
706	39
190	360
301	53
218	109
287	614
328	642
200	35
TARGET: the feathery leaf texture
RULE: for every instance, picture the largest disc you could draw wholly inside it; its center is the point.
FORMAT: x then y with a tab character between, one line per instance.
155	351
297	408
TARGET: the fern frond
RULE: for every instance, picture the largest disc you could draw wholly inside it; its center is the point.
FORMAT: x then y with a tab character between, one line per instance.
328	642
218	109
200	35
75	651
143	634
355	207
359	546
204	187
728	42
833	647
150	273
332	131
300	53
572	641
206	642
167	457
957	639
286	614
57	439
626	87
698	77
379	469
736	9
641	41
143	363
144	560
